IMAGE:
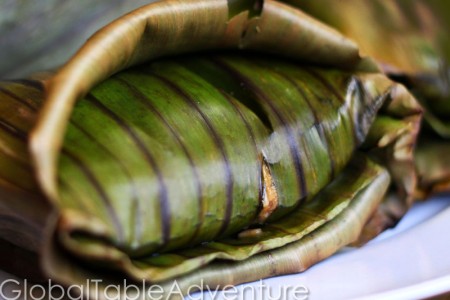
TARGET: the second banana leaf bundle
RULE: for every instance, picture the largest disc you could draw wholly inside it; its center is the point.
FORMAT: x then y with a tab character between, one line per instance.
213	141
409	39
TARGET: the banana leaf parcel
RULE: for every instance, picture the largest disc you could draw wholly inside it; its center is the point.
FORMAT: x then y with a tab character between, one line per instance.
202	141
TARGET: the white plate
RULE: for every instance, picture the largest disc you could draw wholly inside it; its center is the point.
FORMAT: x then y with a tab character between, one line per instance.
411	261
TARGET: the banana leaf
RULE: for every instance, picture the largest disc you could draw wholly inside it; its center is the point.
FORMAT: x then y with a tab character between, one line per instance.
409	40
221	166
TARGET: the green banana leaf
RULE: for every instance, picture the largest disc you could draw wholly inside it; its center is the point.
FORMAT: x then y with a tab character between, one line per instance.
172	169
84	227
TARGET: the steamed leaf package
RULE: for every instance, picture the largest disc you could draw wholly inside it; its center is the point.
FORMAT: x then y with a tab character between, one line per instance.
214	141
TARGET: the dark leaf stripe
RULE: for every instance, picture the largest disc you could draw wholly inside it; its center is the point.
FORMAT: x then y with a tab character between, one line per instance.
101	192
120	163
339	97
66	185
163	195
30	95
222	80
243	119
329	108
15	168
317	120
146	102
27	83
220	146
18	99
38	86
325	83
358	120
290	135
5	181
17	133
6	128
250	133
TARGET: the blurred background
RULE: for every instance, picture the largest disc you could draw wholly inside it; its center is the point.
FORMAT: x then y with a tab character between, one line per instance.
37	35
